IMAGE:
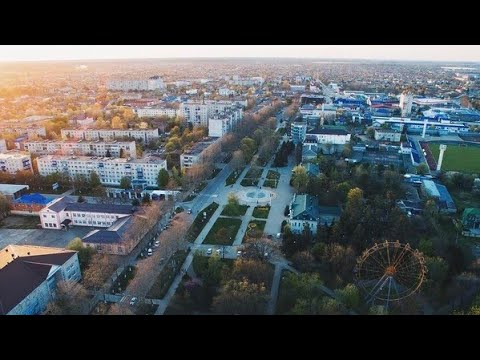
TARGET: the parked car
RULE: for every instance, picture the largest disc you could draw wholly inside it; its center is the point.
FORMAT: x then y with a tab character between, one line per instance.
189	211
209	251
133	300
157	243
239	253
150	252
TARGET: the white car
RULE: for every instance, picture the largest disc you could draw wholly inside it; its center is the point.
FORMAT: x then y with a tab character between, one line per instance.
209	251
149	252
157	243
239	253
133	300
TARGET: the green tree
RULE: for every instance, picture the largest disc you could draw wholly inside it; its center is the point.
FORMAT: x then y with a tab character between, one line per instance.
422	169
163	178
349	296
299	178
437	269
370	132
426	247
70	299
85	253
94	180
125	182
242	298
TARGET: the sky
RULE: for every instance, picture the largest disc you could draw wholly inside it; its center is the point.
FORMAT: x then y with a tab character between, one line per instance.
374	52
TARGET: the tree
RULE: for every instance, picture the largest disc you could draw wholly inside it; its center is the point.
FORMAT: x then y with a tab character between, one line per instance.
304	261
4	206
71	298
99	269
238	160
422	169
301	286
370	132
349	296
242	298
85	253
163	178
437	269
299	178
125	182
94	180
254	271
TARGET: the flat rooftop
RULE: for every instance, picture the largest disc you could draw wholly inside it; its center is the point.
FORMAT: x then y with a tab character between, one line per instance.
9	189
144	160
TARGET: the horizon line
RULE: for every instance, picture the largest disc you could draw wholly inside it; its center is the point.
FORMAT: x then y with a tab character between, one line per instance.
239	57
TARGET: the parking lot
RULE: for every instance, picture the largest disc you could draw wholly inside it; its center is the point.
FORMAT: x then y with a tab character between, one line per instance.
40	237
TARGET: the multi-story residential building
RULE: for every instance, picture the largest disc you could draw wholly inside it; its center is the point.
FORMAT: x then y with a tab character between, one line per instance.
152	83
226	92
142	172
406	102
65	211
81	147
144	135
298	132
297	88
155	111
305	212
198	113
3	146
29	276
20	129
252	81
13	161
387	135
197	153
219	125
81	120
329	136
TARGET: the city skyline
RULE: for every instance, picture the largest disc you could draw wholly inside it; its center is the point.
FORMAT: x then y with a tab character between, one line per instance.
447	53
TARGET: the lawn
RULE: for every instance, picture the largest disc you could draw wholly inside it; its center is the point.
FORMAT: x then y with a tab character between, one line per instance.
254	173
200	222
282	306
254	226
200	187
167	275
249	182
458	158
238	210
261	212
233	177
190	197
270	183
232	226
20	222
273	175
122	281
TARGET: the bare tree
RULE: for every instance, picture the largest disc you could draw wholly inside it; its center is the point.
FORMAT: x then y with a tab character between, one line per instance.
260	248
100	268
70	299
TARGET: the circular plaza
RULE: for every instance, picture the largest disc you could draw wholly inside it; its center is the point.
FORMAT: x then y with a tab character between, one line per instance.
255	196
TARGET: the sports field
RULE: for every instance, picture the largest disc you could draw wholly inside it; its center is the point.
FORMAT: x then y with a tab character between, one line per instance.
458	158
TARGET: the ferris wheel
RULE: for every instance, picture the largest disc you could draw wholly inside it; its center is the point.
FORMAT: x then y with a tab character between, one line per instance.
390	271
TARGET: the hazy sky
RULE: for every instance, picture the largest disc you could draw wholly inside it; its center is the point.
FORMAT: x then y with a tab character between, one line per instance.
381	52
